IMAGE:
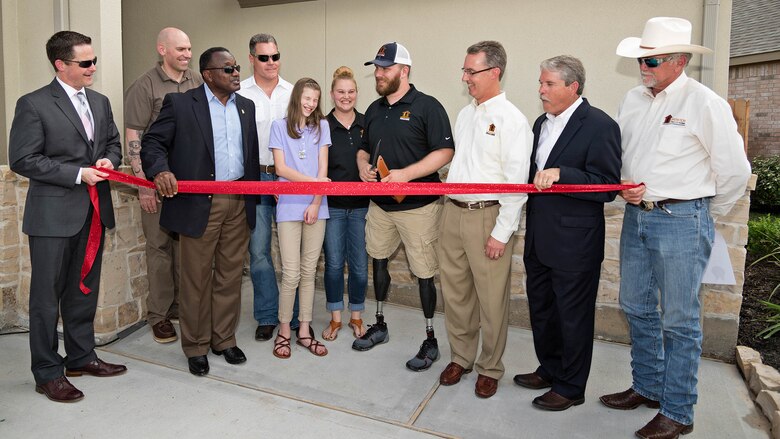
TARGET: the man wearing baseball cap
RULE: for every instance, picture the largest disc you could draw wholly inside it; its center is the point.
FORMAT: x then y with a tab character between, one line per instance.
680	139
408	138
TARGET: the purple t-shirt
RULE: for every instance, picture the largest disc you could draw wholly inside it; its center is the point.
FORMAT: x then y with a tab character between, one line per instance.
303	156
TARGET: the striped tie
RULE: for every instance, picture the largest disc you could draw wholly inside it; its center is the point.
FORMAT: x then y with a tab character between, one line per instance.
86	119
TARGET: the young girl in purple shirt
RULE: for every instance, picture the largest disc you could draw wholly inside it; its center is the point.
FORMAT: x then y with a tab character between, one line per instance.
299	144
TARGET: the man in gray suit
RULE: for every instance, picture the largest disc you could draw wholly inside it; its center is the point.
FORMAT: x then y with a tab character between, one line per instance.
59	132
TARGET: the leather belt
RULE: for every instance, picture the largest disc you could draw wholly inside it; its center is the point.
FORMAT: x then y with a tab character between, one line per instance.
474	205
267	169
647	206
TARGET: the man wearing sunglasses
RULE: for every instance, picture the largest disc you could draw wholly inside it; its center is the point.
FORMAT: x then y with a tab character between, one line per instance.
270	94
207	133
58	133
680	139
143	100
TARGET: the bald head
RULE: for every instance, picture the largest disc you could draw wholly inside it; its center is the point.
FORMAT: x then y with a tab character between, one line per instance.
174	47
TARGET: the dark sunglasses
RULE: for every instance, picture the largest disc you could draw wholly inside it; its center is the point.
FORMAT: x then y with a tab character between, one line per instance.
264	58
83	64
227	69
653	62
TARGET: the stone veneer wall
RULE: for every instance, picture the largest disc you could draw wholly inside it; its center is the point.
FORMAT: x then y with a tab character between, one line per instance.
123	287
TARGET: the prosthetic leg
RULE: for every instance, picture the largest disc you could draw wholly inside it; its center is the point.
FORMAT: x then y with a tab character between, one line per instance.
429	350
378	333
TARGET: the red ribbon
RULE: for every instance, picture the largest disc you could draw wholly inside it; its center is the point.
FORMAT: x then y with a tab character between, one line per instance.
320	188
359	188
93	240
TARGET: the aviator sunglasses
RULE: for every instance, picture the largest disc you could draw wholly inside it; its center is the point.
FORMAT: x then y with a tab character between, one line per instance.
264	58
83	64
227	69
653	62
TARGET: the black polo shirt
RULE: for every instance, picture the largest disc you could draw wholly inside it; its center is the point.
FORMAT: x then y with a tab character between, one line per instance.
409	130
342	158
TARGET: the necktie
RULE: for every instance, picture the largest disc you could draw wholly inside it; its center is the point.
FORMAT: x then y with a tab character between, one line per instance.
86	119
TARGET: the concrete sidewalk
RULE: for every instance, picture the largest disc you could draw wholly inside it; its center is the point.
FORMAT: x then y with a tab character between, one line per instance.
347	394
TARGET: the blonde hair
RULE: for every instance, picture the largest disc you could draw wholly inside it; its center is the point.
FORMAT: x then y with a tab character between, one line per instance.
343	72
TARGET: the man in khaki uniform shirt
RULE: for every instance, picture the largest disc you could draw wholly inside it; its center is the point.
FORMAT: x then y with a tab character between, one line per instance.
143	100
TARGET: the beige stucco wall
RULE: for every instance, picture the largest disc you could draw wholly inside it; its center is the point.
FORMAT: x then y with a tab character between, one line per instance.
316	37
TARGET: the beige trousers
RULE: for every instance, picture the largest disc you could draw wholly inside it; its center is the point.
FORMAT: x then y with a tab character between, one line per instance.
475	289
300	245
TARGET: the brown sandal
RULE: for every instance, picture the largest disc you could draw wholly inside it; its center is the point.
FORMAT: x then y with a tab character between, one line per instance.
357	327
279	345
334	331
313	345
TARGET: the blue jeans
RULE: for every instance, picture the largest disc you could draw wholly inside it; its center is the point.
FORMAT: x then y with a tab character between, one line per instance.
666	252
261	264
345	240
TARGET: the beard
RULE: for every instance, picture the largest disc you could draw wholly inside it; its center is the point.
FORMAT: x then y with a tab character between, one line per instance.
389	87
649	81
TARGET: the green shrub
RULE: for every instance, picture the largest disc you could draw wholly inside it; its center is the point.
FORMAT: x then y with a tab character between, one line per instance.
763	235
767	193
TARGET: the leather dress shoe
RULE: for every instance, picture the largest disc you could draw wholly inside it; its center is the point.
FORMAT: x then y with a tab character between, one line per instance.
60	390
555	402
199	365
627	400
531	381
662	427
233	355
264	332
452	374
98	368
486	386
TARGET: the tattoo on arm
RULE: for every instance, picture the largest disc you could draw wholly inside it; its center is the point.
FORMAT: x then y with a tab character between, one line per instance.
134	153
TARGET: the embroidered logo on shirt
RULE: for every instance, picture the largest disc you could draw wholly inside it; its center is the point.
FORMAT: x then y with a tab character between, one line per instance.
491	131
405	115
669	120
361	133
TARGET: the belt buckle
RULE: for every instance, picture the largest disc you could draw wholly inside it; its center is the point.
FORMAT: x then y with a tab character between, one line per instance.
474	206
647	206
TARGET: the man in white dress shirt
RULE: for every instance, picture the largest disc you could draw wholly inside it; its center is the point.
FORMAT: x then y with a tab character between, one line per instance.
493	145
271	94
679	139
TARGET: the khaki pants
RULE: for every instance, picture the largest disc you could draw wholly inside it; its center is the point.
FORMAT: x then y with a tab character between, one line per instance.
211	269
300	245
417	228
475	289
162	268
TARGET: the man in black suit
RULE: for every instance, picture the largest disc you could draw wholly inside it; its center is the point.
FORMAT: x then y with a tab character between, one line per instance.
59	132
207	133
574	143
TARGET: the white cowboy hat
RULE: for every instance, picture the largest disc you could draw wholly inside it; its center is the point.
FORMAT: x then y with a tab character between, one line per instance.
662	35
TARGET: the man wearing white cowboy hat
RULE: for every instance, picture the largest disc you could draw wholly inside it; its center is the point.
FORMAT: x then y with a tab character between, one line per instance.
679	139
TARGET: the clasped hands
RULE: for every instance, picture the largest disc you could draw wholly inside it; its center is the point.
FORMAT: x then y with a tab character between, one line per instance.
92	176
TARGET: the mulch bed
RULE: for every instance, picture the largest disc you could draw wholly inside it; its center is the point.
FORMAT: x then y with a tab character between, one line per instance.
760	279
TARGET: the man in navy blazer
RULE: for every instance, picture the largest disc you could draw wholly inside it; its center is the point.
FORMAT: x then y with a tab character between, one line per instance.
574	143
207	133
58	133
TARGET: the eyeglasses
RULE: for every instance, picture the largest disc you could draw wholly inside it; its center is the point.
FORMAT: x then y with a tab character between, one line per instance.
652	63
470	72
227	69
264	58
83	64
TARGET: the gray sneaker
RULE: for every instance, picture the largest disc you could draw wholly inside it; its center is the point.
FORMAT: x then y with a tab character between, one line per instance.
376	334
429	352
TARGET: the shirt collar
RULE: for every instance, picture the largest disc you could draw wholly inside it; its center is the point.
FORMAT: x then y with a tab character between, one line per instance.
280	84
70	91
490	102
406	99
210	95
164	76
677	84
566	114
335	124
